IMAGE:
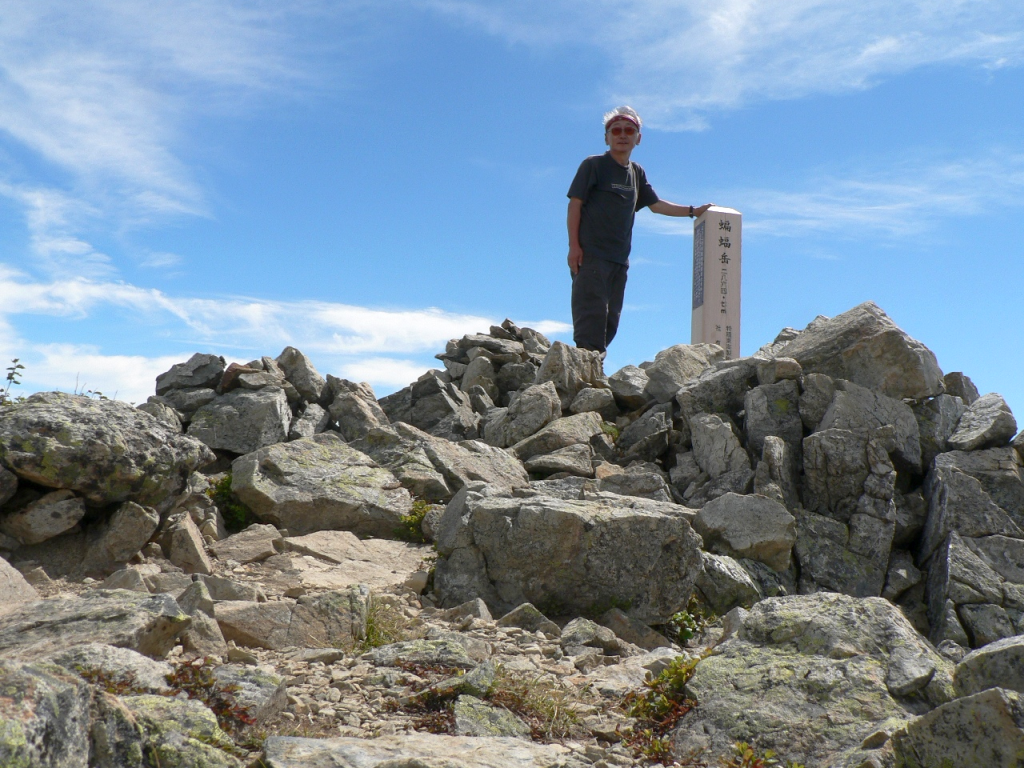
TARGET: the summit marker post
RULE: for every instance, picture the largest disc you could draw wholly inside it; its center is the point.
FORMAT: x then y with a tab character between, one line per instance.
717	259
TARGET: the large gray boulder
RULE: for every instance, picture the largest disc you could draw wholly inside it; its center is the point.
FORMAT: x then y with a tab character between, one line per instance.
105	450
320	483
937	417
243	420
848	558
302	374
354	408
675	366
835	468
141	622
773	410
576	555
865	346
435	405
560	433
648	437
753	527
719	389
987	423
999	472
986	729
627	385
529	411
571	369
997	665
199	371
14	590
118	538
785	676
44	518
716	448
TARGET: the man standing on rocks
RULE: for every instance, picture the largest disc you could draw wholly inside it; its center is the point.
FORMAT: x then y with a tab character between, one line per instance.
603	200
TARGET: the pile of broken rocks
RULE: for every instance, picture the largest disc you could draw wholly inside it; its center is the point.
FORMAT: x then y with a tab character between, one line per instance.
853	516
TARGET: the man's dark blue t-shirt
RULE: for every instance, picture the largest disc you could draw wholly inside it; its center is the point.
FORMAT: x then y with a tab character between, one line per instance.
611	195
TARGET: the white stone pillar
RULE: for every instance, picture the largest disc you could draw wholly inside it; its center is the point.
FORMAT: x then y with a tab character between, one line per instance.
717	249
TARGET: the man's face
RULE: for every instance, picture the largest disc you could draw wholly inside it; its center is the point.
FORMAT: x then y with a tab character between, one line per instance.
621	135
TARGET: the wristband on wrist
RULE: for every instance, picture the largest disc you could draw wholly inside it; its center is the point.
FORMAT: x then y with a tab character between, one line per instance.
691	211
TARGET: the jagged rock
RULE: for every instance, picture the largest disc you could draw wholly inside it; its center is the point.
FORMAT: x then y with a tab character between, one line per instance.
529	411
773	410
163	413
578	554
320	483
720	389
818	391
513	377
753	527
264	694
407	749
571	369
778	369
632	631
120	537
937	417
997	665
186	548
829	649
185	402
998	470
434	405
987	423
181	732
739	481
985	623
637	480
823	551
684	472
675	366
254	544
560	433
601	401
312	421
14	590
957	577
125	578
984	729
627	385
48	516
775	476
354	408
901	576
115	663
861	411
299	370
525	616
407	459
725	585
221	588
473	717
480	373
313	621
960	385
199	371
835	468
447	652
145	623
243	421
44	717
105	450
864	346
958	502
480	400
716	448
573	459
648	437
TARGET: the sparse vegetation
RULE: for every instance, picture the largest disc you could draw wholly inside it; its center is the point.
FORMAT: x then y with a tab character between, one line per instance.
658	708
13	377
746	756
548	709
611	430
411	528
688	624
197	680
237	516
385	624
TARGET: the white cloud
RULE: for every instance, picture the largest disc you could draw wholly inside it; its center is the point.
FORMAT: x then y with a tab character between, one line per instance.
676	60
357	341
904	200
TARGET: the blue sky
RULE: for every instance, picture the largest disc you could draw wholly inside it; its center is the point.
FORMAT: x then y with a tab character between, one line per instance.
366	180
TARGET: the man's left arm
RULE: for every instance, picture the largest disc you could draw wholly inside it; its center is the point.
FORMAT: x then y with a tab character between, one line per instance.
665	208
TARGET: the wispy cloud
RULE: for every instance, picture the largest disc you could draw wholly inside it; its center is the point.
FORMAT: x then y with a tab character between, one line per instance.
387	347
678	60
905	199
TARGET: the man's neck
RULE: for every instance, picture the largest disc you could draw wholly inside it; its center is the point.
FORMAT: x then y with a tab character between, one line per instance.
622	158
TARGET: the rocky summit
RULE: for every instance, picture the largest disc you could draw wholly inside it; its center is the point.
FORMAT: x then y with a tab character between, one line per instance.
813	555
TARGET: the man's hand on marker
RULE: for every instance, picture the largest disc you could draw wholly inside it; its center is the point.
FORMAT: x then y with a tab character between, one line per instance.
575	259
698	212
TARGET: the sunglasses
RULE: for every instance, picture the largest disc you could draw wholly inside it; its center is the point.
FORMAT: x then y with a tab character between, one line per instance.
618	130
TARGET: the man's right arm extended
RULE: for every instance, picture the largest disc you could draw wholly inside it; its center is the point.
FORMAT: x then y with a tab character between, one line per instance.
573	225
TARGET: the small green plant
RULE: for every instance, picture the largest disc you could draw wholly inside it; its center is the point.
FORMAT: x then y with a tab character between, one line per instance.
237	516
385	624
746	756
685	625
548	709
658	708
611	430
13	376
411	528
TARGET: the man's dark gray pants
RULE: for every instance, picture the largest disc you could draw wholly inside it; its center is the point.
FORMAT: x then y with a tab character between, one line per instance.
597	291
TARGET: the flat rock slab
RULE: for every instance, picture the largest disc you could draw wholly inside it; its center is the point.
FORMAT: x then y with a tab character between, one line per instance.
809	677
145	623
996	665
321	621
753	527
320	483
117	663
105	450
578	556
412	749
987	423
252	545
